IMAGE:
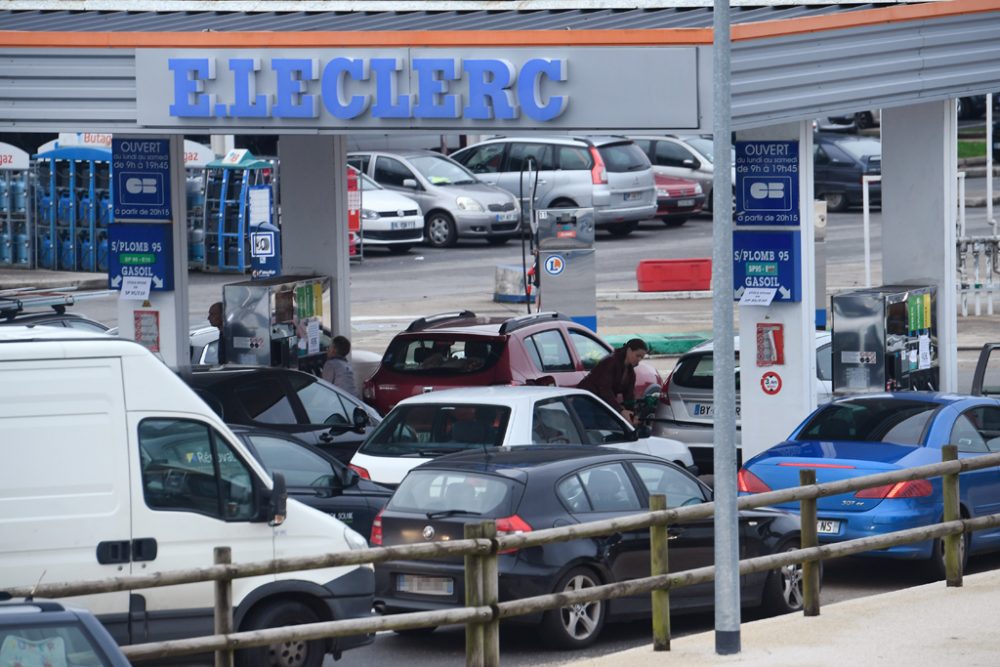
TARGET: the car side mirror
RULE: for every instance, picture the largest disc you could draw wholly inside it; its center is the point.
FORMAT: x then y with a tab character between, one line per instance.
278	503
360	419
642	431
692	163
410	183
349	477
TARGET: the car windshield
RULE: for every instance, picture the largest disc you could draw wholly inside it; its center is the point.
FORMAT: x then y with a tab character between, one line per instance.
890	420
623	157
368	184
433	429
704	146
47	643
861	148
444	492
442	171
443	356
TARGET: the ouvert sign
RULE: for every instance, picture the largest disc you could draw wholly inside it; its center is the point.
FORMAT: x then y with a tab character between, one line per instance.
419	87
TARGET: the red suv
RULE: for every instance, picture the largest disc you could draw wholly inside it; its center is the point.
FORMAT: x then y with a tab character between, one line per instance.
463	350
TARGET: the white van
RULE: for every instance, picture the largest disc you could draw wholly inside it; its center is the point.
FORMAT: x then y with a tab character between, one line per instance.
112	466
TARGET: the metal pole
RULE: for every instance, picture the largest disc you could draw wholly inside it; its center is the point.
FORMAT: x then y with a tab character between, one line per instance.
866	222
989	165
223	606
491	597
952	555
809	538
659	564
473	598
727	582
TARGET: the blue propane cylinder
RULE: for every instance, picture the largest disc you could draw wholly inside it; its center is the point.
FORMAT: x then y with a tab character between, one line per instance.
83	210
102	254
4	195
233	255
86	255
104	215
17	195
46	257
196	245
68	254
22	249
45	208
64	211
6	249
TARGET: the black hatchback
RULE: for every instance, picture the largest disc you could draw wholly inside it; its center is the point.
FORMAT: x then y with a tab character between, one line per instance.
533	488
290	401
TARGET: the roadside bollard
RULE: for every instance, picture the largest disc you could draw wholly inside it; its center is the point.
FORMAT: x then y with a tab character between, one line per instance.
952	543
658	565
810	569
223	606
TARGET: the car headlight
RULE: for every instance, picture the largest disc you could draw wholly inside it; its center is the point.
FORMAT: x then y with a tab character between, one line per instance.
368	214
662	192
468	204
354	539
697	189
517	204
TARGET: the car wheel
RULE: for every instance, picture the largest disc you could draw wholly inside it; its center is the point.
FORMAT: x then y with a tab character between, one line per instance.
399	248
296	653
674	221
563	203
783	588
579	625
864	120
497	240
835	201
622	229
934	568
439	229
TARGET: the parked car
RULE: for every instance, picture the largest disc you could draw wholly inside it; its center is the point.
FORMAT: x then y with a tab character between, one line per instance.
289	401
50	318
686	412
316	478
682	157
429	425
388	219
463	350
607	173
454	203
43	632
866	435
677	199
986	376
531	488
839	163
860	120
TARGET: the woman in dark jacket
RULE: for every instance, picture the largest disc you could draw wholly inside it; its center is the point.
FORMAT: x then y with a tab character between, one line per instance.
614	376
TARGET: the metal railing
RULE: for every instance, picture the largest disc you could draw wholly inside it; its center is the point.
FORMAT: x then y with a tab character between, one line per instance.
484	611
978	263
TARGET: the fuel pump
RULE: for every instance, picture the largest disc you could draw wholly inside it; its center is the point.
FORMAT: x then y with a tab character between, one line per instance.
566	269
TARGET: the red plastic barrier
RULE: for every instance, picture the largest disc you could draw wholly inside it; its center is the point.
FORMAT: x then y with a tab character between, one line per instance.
674	275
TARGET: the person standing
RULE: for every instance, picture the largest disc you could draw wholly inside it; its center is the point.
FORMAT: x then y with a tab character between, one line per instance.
614	377
216	318
338	370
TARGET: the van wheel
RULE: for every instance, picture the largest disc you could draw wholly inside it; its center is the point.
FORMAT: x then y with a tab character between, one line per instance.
297	653
440	231
578	625
622	228
835	201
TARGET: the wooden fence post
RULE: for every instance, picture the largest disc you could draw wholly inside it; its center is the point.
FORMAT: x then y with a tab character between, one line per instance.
491	597
952	543
223	606
474	649
659	564
810	569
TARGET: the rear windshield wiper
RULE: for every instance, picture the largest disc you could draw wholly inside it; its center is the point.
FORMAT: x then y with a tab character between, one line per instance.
453	512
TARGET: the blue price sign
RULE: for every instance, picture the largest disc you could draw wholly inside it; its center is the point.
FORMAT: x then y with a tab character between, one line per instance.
141	251
767	183
141	169
768	260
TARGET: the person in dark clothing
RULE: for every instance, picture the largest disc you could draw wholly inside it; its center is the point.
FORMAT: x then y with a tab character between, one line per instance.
217	318
614	377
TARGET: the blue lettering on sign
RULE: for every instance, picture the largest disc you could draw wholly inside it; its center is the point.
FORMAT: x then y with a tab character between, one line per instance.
350	87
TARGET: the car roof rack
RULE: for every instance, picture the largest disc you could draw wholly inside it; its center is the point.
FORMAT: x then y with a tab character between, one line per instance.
519	322
19	300
434	320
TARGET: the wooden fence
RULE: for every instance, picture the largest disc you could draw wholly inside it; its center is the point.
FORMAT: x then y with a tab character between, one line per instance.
483	611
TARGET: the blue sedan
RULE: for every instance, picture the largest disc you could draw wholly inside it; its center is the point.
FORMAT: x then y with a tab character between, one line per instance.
865	435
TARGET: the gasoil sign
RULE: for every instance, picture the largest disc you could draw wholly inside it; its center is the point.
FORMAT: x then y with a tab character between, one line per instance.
769	260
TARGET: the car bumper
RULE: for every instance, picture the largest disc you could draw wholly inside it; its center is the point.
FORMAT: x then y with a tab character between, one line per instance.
487	223
605	216
699	439
670	206
352	597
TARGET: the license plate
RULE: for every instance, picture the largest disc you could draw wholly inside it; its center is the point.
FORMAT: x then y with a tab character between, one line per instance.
403	224
632	196
827	527
685	202
411	583
510	216
707	410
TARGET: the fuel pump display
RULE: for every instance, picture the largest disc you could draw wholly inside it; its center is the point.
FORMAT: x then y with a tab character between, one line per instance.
885	339
567	270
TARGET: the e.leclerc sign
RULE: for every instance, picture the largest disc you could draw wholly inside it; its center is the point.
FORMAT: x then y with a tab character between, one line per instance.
141	169
142	250
768	259
767	183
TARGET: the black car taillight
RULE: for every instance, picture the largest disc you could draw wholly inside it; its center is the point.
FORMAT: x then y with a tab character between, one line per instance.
376	536
511	525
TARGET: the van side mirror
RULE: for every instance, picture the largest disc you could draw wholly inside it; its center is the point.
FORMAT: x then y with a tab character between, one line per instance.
278	504
691	163
360	419
410	183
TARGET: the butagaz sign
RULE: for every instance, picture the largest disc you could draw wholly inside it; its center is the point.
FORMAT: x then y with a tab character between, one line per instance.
386	88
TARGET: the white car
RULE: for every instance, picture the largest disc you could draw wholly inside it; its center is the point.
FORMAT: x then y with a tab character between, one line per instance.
388	219
685	410
441	422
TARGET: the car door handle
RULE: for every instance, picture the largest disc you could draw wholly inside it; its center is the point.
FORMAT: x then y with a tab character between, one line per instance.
114	551
144	548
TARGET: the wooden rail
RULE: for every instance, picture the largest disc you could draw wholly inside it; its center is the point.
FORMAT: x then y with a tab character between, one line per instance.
481	545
